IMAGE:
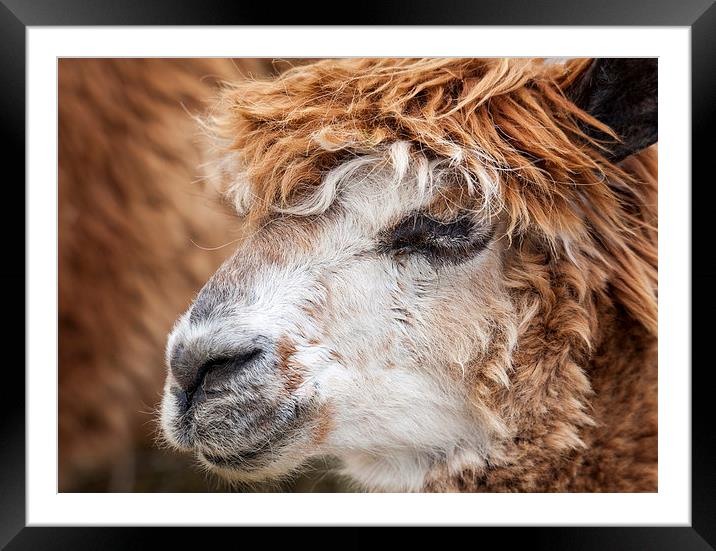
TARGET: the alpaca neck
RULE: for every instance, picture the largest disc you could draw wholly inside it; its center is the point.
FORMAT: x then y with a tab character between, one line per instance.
617	452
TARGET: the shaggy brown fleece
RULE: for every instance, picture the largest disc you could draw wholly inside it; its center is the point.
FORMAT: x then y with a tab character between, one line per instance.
583	260
132	219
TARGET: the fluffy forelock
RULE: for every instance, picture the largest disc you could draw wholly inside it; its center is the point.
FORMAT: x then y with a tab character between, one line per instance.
504	125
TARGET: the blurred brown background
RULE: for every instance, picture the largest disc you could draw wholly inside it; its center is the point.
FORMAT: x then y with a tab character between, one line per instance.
139	234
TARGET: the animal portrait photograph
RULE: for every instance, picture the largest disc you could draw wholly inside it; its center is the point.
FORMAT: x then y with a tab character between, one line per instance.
365	274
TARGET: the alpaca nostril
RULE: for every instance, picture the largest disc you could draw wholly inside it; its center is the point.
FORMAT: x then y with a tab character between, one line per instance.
197	379
204	370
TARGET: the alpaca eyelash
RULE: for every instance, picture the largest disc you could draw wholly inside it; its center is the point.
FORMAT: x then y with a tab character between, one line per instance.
440	242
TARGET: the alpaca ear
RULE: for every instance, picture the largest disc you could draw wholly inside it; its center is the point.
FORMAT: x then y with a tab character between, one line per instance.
621	93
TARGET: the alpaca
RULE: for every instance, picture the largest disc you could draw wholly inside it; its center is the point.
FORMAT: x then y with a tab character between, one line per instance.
128	219
446	278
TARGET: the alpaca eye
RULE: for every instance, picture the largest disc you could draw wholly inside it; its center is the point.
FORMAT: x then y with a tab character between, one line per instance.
439	241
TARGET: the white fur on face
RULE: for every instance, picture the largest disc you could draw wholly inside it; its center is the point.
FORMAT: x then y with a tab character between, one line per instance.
368	350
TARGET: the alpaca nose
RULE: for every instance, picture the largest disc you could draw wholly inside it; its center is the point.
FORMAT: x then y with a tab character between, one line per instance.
201	376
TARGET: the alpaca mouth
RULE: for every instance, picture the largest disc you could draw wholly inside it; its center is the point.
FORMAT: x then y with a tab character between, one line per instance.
232	435
240	455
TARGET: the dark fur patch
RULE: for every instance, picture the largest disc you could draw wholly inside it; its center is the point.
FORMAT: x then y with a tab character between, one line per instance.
621	93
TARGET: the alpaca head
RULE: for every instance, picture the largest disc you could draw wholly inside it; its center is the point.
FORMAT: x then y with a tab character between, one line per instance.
425	246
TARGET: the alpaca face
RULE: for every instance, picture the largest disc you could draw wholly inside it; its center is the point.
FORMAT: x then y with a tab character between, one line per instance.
349	332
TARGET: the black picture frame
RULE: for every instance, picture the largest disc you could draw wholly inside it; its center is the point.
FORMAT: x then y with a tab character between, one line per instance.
699	15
